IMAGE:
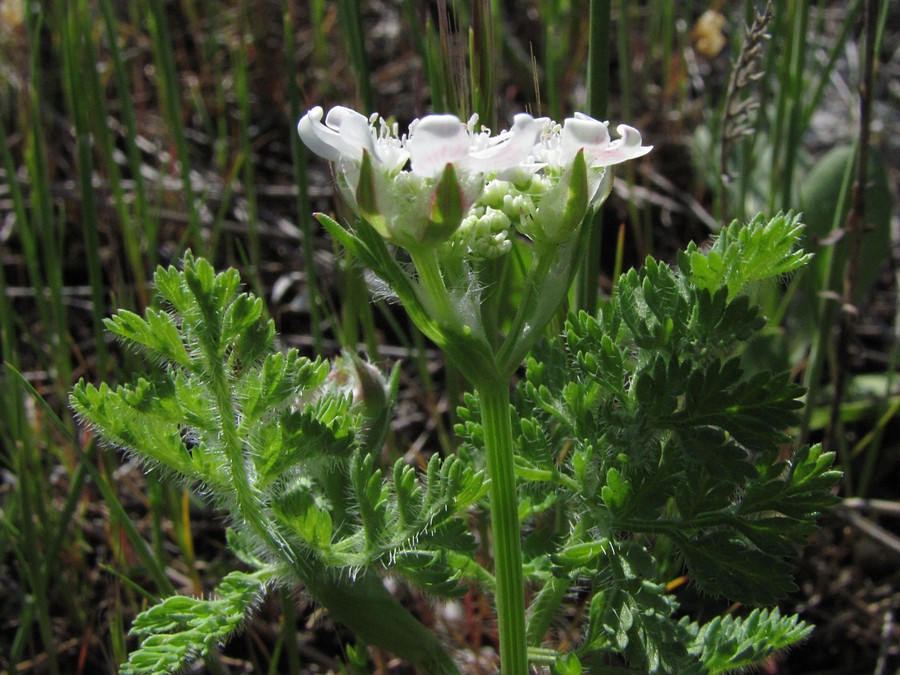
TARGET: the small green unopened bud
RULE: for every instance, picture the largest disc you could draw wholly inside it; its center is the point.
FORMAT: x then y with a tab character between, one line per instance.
495	192
484	233
495	246
515	206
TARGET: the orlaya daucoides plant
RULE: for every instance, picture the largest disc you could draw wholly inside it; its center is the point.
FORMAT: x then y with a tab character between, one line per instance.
634	449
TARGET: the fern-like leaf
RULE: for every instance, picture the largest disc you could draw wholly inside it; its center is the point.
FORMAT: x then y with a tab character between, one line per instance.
728	643
181	629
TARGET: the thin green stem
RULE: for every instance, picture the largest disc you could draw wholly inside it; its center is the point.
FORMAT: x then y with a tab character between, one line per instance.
510	590
298	154
482	59
167	81
599	27
242	91
75	43
288	629
352	28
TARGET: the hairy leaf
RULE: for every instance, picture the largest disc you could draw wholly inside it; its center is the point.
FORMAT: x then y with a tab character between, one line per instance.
727	643
181	629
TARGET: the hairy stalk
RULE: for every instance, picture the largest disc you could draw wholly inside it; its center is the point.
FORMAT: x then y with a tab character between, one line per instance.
248	504
544	608
510	593
432	283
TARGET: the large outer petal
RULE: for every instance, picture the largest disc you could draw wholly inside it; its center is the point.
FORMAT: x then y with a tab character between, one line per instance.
585	132
580	132
354	131
513	150
317	137
345	133
434	142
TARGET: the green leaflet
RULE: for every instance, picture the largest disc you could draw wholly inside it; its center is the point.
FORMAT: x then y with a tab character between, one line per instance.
745	254
181	629
727	643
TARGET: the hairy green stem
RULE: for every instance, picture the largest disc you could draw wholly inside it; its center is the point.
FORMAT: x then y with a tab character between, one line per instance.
432	283
248	503
510	593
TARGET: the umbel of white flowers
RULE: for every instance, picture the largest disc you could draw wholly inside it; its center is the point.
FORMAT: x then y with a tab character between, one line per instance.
455	186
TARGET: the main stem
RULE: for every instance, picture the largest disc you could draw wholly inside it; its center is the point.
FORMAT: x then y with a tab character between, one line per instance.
510	593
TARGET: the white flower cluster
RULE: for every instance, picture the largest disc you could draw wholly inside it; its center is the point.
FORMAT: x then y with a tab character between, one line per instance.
526	177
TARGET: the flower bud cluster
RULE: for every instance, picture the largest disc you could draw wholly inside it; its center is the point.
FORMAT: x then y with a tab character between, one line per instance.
483	233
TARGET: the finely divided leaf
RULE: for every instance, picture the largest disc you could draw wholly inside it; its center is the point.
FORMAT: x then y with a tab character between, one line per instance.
728	643
747	254
725	565
181	629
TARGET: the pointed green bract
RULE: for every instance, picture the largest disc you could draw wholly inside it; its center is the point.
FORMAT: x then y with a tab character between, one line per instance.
575	206
367	197
446	209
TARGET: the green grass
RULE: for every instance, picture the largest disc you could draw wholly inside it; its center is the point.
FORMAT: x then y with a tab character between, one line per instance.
134	131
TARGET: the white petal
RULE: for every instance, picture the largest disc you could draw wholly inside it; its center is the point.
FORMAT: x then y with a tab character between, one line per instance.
320	139
514	148
354	132
434	142
625	148
344	135
580	132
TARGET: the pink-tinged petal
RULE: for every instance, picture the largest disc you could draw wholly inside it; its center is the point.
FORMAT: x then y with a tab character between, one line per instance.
513	149
436	141
317	137
354	132
622	149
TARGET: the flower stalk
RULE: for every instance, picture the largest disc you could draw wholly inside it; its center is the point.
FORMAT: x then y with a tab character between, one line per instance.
434	291
510	592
